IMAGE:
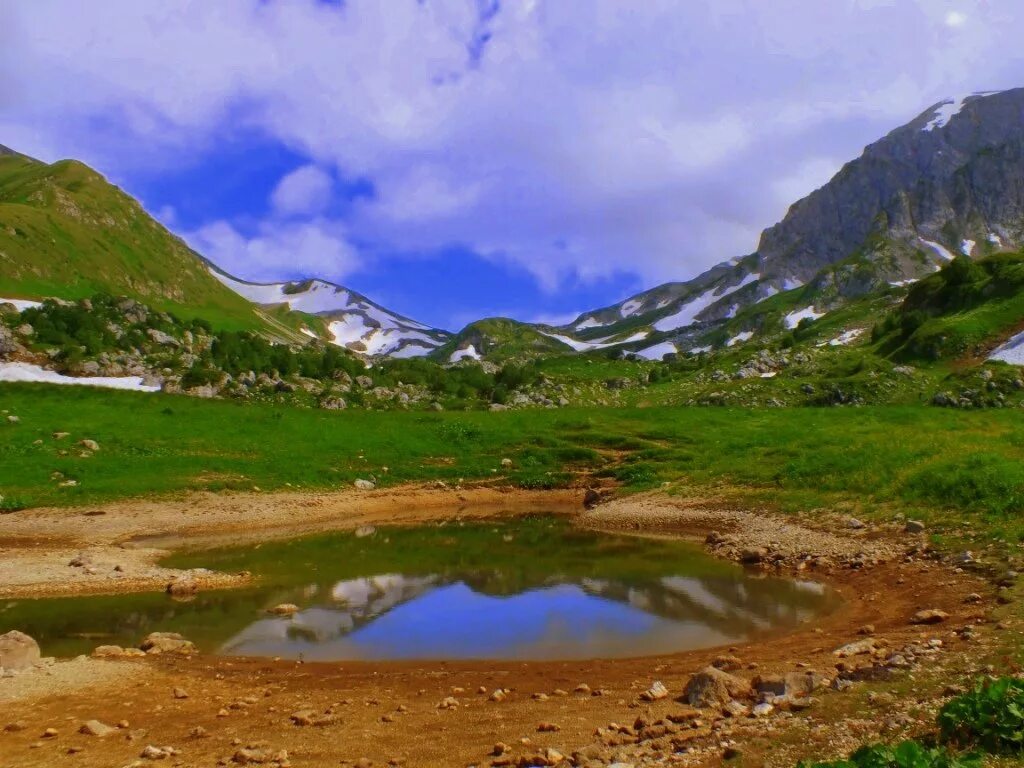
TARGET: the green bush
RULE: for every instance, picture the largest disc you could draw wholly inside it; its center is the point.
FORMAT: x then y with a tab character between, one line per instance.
991	716
908	754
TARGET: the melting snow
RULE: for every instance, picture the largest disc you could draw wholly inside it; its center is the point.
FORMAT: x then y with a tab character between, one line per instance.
945	111
22	304
995	239
739	338
462	354
844	338
1011	352
658	351
584	346
630	307
967	247
590	322
687	314
789	284
29	372
940	249
769	374
793	318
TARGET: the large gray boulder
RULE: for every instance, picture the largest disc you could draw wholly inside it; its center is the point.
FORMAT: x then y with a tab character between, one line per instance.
18	650
712	688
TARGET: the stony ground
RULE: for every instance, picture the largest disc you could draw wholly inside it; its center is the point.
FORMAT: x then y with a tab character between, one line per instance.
869	669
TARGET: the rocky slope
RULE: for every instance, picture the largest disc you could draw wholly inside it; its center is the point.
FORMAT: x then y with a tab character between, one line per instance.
947	182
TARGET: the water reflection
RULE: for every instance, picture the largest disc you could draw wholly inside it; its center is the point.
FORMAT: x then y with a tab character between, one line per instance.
391	616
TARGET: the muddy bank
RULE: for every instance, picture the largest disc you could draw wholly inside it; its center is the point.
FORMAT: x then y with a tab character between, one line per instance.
447	714
119	544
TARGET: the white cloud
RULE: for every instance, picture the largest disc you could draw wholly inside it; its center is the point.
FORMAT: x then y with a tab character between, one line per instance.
278	251
955	19
577	140
306	190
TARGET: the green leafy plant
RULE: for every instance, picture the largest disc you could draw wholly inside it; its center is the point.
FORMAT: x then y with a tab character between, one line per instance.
990	716
908	754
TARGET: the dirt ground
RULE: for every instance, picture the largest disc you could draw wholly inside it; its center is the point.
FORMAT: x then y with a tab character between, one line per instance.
231	711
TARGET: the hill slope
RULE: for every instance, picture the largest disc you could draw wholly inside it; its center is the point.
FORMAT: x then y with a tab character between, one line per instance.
67	233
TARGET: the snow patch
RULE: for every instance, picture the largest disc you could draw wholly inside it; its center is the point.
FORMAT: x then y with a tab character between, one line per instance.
35	373
466	352
658	351
630	307
940	249
769	374
739	338
586	346
995	239
590	322
945	111
844	338
793	318
967	247
1011	352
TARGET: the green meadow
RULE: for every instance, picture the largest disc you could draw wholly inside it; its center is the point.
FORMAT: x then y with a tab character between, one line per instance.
950	467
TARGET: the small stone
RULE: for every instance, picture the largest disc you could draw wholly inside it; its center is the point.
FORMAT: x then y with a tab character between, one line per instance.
364	485
762	710
914	526
656	692
179	693
108	652
500	749
548	727
96	728
448	702
284	609
867	629
50	733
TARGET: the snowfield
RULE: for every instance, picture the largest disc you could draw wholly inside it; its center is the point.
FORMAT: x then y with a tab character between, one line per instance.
940	249
586	346
464	353
658	351
35	373
793	318
1011	352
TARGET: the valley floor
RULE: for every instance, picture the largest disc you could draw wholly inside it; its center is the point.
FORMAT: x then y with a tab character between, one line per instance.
388	713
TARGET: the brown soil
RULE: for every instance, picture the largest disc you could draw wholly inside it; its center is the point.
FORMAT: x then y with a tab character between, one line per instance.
241	702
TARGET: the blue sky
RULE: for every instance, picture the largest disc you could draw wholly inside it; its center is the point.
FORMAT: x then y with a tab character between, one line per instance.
454	159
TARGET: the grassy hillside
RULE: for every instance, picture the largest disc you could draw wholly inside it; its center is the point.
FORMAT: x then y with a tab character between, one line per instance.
499	338
66	232
866	461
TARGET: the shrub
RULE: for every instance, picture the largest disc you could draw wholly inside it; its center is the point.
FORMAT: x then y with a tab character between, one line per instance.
908	754
990	716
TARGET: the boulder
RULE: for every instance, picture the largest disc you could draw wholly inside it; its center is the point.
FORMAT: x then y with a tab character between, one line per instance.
591	498
184	587
914	526
166	642
711	687
856	648
108	652
929	616
18	650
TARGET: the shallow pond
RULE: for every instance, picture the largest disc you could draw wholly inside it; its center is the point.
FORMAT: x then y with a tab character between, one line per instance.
534	588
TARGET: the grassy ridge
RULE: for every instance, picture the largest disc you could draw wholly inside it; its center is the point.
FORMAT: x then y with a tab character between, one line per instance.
66	232
929	462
